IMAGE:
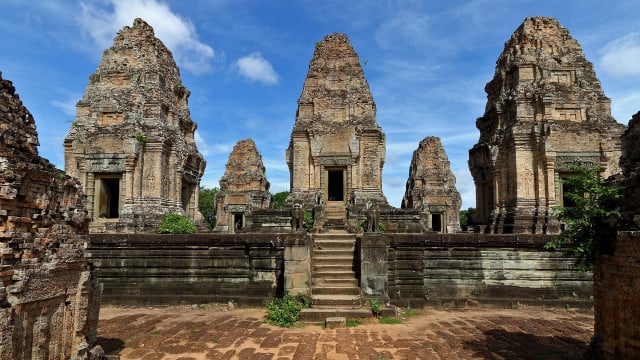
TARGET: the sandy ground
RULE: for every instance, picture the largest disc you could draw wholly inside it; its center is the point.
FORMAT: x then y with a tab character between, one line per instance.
212	332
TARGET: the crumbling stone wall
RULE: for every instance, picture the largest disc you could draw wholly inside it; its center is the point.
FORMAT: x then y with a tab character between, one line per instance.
630	162
192	269
49	301
616	294
337	149
132	143
617	275
243	188
432	186
466	269
545	112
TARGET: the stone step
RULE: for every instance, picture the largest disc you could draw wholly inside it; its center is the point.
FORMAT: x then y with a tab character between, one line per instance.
338	253
332	260
334	245
347	281
342	275
335	301
331	268
315	315
335	290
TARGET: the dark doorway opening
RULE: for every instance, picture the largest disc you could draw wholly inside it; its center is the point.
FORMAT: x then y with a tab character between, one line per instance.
335	191
238	221
109	198
436	222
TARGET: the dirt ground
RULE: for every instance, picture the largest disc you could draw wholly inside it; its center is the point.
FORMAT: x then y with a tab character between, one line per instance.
212	332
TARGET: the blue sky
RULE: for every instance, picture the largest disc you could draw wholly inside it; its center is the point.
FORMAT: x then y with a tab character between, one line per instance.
245	62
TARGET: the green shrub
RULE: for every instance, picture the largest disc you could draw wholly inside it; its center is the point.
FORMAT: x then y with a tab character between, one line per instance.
590	217
376	308
176	224
285	311
308	220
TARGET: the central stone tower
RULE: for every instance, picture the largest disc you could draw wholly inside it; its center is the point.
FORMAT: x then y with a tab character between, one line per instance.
337	149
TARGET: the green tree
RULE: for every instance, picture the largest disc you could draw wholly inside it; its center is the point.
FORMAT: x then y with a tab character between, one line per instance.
590	219
207	205
466	215
279	198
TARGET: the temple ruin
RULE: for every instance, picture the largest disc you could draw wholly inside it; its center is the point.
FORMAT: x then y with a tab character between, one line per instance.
132	143
432	186
629	161
337	149
243	187
49	300
545	113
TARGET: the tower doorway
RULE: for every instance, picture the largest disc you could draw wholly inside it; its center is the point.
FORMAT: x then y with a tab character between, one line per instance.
335	186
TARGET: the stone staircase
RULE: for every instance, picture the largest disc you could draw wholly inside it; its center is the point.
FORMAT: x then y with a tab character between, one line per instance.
335	215
334	286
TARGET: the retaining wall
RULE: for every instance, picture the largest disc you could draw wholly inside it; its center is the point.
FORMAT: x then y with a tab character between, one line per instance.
416	269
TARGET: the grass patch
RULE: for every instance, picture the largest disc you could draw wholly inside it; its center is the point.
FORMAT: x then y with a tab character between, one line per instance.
353	323
390	320
410	312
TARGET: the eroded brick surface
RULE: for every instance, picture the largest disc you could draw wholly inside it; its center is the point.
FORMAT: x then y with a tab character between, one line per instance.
48	300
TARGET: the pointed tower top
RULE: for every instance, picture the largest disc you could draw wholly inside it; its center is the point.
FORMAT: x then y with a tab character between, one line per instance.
335	91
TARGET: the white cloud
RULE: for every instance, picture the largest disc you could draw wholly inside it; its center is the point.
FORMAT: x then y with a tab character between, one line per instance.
177	33
466	187
256	68
620	56
624	106
207	149
67	106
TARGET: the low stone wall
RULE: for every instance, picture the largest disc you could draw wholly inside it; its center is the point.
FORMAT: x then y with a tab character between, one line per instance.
191	269
617	300
478	269
415	269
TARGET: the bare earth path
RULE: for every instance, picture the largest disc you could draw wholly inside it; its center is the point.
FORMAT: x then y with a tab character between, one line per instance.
211	332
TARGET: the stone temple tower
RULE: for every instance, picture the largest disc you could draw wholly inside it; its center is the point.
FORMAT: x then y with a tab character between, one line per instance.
432	186
243	187
545	112
337	149
132	143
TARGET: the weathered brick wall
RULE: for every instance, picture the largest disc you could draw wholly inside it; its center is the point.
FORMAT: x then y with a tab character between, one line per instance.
617	300
480	269
173	269
49	302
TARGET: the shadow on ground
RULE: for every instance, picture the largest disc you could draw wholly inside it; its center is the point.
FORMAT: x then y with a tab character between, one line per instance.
503	344
110	345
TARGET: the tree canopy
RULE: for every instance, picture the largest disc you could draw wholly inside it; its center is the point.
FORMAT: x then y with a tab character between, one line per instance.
207	205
